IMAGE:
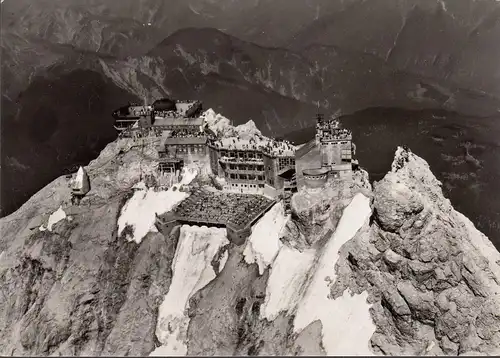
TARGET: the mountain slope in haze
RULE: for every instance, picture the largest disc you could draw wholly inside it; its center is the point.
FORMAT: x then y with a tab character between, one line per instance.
394	270
439	39
324	75
452	40
75	25
266	22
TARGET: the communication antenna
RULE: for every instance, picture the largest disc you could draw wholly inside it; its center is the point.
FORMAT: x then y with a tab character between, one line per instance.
319	115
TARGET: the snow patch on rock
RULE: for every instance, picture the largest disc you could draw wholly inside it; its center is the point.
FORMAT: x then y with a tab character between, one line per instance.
347	323
264	243
139	211
223	260
287	281
54	218
192	270
300	282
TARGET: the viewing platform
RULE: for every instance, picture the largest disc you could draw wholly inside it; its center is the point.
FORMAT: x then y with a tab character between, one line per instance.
236	212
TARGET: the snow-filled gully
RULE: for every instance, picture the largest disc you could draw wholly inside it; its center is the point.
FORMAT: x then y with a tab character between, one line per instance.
296	282
297	285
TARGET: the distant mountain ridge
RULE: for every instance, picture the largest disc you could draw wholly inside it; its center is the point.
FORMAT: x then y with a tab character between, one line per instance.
452	40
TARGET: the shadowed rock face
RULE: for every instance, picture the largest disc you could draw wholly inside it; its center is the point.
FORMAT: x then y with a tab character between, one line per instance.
80	289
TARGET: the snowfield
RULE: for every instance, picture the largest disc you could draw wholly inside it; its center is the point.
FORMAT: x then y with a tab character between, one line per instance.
264	243
287	281
347	323
139	211
192	270
298	284
54	218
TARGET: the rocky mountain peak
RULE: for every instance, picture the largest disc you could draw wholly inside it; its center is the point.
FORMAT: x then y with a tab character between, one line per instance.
433	277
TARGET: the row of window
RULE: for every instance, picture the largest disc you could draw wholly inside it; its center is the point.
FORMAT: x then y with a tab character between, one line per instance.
241	154
246	167
346	154
245	177
167	167
286	161
195	148
247	185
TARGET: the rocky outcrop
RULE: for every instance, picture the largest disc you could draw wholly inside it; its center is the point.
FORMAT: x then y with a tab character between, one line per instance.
77	287
434	279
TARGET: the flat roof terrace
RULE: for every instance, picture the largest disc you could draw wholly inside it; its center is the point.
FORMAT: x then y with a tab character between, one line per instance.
261	144
218	209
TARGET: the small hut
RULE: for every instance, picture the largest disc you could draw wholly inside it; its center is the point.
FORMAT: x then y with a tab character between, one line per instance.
80	185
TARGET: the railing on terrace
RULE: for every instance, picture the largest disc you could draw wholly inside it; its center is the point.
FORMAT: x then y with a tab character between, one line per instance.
245	171
242	160
336	137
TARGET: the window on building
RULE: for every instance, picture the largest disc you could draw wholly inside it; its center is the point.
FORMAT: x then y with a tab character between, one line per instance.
346	154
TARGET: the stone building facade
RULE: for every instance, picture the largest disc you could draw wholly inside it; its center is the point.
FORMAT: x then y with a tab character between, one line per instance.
335	147
329	154
185	146
164	115
251	166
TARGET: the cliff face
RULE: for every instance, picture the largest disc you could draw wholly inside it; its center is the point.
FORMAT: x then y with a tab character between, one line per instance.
432	276
395	270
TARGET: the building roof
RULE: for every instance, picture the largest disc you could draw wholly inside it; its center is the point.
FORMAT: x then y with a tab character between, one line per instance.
262	144
315	171
185	140
178	121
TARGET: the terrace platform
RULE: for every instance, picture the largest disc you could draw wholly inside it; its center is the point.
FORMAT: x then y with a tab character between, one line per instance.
236	212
